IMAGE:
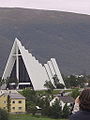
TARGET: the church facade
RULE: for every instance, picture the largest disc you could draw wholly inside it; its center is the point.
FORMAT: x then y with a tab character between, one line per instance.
27	70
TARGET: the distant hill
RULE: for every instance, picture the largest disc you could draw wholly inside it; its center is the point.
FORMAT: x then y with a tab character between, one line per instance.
46	34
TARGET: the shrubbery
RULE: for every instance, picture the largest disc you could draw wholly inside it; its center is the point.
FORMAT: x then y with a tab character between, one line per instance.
75	93
3	115
55	111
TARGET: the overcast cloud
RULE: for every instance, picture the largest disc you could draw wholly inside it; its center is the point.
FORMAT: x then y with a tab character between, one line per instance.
78	6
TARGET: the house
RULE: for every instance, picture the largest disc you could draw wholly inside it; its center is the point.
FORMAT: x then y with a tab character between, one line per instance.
12	100
63	100
3	100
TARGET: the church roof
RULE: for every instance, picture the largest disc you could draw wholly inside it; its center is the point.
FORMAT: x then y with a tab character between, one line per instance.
37	72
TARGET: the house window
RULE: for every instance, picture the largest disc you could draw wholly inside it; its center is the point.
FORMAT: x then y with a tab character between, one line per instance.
13	102
19	108
4	102
4	107
13	108
19	101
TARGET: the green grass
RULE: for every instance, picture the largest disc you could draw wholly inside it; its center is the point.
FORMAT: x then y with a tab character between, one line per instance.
29	117
44	92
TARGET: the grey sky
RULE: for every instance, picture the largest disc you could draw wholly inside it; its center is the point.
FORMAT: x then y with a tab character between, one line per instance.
79	6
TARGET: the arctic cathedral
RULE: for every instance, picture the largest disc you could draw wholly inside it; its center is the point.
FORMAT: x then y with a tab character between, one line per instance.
25	68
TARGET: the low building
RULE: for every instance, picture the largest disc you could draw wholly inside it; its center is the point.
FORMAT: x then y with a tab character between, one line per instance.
63	100
12	101
3	100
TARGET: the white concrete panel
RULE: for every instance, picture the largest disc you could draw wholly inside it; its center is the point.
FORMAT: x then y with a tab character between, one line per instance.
38	74
10	62
51	68
49	73
35	70
57	71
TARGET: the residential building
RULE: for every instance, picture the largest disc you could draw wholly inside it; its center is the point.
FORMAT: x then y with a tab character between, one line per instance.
12	101
64	99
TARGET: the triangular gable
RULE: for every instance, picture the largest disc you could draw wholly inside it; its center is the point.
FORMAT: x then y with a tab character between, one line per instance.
10	62
34	69
37	73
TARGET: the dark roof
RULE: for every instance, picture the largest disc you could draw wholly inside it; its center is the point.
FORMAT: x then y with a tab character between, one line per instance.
16	96
66	99
12	93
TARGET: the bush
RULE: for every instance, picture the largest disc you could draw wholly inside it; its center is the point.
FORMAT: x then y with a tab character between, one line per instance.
56	110
75	93
66	111
33	109
3	115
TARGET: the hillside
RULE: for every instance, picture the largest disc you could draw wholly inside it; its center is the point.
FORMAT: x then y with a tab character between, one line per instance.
46	34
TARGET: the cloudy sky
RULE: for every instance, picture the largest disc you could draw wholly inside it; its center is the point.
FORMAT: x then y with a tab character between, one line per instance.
78	6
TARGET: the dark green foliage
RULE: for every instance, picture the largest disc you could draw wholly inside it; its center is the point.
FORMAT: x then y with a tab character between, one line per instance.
55	110
75	93
73	81
31	100
60	86
45	106
81	81
3	115
65	111
1	82
31	108
49	85
29	94
57	83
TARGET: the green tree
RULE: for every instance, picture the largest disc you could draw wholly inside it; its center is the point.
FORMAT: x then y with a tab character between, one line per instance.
29	94
31	107
4	115
57	82
67	82
75	81
65	111
75	93
56	110
49	85
45	106
81	81
31	98
1	82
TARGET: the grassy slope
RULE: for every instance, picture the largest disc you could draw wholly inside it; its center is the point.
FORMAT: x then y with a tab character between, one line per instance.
29	117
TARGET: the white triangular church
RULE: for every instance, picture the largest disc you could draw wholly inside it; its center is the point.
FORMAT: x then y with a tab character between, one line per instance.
27	70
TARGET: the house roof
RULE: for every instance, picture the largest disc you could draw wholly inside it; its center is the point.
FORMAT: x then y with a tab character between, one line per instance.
16	96
13	94
66	99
